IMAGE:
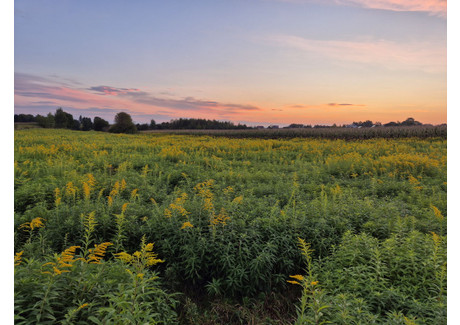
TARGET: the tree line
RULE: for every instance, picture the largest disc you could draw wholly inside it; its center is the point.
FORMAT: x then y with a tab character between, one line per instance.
124	123
64	120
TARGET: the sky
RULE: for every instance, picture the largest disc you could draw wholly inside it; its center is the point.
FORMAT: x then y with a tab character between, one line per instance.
257	62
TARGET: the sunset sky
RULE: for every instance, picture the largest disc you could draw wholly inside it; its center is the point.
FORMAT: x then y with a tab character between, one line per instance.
256	62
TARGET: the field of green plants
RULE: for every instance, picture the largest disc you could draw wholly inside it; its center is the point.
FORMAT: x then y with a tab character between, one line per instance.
166	229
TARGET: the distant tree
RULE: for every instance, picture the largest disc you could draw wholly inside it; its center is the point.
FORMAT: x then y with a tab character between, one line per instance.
152	125
70	121
41	120
51	120
296	126
123	124
25	118
86	123
142	127
100	124
410	122
391	124
76	125
45	121
367	124
60	118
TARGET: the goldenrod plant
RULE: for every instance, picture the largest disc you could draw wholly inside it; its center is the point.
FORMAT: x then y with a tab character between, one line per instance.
225	214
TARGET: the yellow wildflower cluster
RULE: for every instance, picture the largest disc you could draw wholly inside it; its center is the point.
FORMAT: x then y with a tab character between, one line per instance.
134	194
297	277
63	262
186	224
436	239
33	224
88	186
70	191
115	189
177	206
140	259
57	197
86	191
97	253
437	213
18	258
204	190
122	185
172	153
221	218
238	200
124	207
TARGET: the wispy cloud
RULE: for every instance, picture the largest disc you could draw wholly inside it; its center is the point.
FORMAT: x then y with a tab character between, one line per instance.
187	103
48	92
434	7
107	90
422	56
344	104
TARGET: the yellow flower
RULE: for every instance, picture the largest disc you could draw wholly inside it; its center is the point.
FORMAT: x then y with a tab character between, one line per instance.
293	282
57	195
97	253
238	199
297	277
125	257
123	208
437	212
123	184
35	223
86	191
18	257
436	238
313	283
186	225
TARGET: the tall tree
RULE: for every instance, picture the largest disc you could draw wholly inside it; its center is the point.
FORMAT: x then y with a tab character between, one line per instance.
86	123
100	124
123	124
60	119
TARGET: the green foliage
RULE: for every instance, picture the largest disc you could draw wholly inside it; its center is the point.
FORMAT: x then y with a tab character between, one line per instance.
225	216
123	124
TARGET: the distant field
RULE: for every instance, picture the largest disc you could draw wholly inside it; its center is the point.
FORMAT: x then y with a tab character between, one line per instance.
326	133
26	125
225	215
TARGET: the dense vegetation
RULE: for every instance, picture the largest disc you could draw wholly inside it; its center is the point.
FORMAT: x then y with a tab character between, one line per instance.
117	229
125	124
395	132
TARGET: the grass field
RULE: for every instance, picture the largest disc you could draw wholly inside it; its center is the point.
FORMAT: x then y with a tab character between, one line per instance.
170	228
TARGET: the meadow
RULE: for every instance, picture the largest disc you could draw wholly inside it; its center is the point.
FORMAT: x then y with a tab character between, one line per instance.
200	229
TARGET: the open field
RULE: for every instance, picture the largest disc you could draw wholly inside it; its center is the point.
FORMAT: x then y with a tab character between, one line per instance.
392	132
26	125
168	228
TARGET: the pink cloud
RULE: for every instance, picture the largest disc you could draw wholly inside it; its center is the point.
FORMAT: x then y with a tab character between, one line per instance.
106	90
30	90
435	7
421	56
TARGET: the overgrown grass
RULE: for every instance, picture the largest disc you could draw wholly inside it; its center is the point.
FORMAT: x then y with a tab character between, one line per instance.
225	216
